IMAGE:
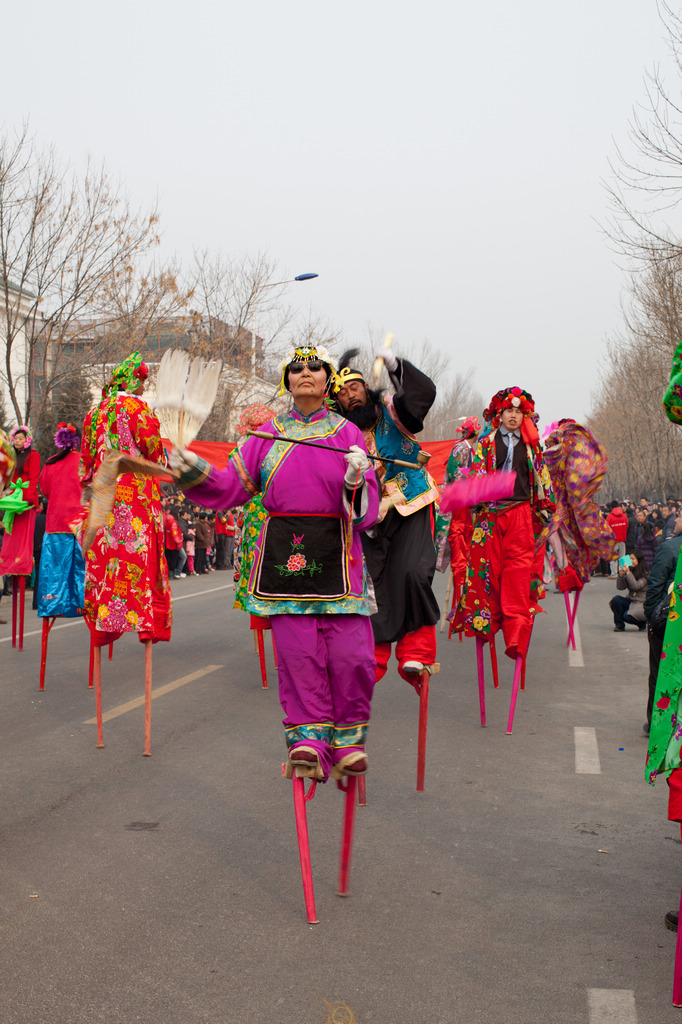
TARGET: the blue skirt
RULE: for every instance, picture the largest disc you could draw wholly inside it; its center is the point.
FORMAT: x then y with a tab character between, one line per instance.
61	581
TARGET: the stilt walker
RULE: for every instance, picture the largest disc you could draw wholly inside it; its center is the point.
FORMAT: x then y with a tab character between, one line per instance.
664	755
307	575
503	582
400	551
61	580
126	576
20	507
254	516
578	533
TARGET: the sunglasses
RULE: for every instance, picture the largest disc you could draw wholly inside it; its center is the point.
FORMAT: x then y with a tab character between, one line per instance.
312	364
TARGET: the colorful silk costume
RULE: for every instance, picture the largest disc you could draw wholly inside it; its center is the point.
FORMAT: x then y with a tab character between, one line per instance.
304	575
454	529
16	554
126	576
400	552
577	463
503	582
61	580
665	735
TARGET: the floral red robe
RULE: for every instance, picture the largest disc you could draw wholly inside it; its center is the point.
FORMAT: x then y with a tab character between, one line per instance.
126	576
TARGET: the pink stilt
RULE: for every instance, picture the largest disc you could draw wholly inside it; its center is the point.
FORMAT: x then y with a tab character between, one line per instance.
515	689
576	598
147	698
481	678
362	791
274	649
261	655
423	726
569	616
47	626
97	654
300	799
347	837
493	661
22	589
677	975
15	599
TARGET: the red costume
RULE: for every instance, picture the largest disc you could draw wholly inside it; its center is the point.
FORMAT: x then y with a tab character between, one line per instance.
504	573
126	576
16	556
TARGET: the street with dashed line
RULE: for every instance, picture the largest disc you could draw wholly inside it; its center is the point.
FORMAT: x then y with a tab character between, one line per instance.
527	883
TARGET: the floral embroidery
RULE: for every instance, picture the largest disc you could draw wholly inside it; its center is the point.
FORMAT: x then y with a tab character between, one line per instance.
297	564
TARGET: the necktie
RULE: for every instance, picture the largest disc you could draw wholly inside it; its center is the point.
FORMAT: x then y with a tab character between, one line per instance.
510	437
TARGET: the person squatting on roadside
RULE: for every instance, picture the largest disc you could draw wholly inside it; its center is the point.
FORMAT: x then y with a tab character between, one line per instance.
634	579
400	552
504	575
307	573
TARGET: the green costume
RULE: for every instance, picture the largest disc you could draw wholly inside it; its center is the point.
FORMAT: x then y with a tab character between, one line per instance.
665	736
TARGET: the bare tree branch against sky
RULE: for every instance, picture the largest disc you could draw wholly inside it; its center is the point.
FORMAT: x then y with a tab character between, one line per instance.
440	165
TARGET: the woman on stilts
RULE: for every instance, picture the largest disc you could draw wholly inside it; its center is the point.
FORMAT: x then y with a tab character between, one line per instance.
126	576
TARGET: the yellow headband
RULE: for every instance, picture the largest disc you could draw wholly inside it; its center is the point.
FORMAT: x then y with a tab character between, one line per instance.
345	376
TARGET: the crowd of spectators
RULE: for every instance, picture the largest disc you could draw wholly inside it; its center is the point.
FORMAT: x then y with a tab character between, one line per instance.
196	541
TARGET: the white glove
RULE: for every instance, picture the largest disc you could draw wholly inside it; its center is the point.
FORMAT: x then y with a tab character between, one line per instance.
182	460
390	361
358	464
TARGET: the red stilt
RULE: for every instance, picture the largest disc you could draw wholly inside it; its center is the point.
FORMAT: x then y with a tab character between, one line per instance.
455	602
111	652
493	661
98	695
147	698
22	589
347	838
423	725
677	976
515	689
260	646
47	626
300	799
569	616
91	668
481	678
15	598
362	791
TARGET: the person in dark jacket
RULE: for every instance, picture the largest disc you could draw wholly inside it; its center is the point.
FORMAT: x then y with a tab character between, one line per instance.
648	543
660	578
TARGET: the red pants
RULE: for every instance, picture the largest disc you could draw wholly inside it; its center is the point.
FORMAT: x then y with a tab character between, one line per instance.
511	553
417	646
459	535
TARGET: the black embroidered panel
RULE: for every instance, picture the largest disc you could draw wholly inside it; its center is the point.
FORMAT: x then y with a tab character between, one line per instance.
302	558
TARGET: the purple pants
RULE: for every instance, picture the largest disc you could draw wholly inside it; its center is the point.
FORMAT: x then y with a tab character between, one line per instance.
326	678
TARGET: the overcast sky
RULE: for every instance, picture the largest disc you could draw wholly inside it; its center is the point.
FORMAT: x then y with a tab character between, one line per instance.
438	164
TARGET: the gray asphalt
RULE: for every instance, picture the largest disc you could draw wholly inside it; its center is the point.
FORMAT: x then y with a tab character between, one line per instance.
167	889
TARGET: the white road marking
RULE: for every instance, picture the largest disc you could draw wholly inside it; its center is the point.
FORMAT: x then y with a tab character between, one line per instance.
79	619
575	657
611	1006
586	751
137	702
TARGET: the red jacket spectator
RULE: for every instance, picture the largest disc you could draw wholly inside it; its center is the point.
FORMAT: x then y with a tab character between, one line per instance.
172	534
618	522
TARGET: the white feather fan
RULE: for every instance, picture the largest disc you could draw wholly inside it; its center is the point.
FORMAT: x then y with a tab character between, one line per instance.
185	393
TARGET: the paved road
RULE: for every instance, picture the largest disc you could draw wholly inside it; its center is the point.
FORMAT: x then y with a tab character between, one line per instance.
167	890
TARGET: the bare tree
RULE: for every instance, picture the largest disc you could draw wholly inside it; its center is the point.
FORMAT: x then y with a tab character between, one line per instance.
65	239
647	177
